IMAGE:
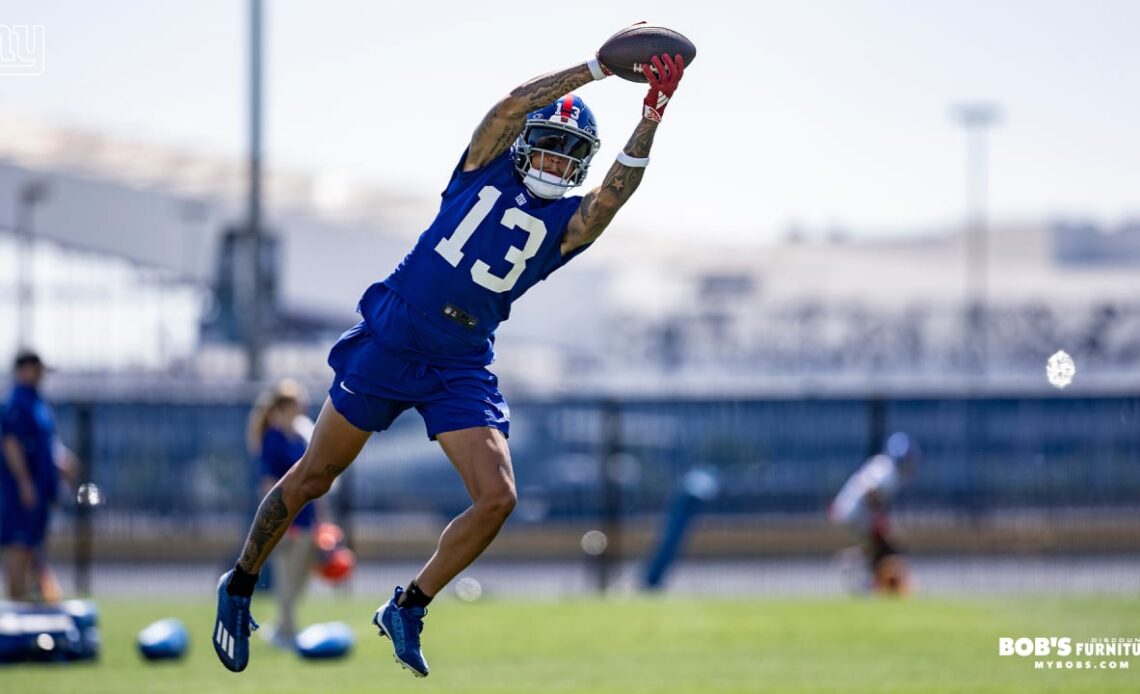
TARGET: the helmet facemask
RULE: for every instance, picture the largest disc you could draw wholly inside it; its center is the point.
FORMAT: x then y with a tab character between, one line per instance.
553	138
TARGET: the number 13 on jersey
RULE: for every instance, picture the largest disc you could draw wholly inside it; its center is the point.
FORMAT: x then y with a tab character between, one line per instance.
451	247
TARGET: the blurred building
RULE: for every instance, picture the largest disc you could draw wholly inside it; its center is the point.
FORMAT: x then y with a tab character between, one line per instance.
781	366
133	251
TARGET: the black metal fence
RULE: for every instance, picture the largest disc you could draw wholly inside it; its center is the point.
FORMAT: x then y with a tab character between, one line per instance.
187	460
1016	475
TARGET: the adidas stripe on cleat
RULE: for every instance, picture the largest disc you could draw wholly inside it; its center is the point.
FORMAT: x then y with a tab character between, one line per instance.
232	627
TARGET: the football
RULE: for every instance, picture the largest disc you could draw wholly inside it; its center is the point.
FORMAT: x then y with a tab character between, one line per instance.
166	639
325	641
626	51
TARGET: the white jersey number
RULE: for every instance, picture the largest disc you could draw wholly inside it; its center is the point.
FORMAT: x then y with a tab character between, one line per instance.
451	247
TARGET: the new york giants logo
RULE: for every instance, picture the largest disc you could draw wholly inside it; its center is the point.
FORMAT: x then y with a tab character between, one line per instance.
21	50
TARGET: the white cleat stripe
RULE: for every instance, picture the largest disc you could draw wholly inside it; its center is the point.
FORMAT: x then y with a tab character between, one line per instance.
218	633
230	647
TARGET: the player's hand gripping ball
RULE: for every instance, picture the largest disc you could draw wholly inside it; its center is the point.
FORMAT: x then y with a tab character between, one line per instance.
627	52
663	76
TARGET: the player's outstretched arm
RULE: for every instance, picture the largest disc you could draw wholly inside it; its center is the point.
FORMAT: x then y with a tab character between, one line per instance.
600	205
506	119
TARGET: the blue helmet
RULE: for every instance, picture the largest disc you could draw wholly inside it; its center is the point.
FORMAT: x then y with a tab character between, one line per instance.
902	448
566	128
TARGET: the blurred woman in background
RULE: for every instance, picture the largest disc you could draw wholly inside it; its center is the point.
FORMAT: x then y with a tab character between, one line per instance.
277	435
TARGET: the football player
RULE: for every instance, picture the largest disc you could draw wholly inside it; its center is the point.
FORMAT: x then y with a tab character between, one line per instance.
862	507
426	339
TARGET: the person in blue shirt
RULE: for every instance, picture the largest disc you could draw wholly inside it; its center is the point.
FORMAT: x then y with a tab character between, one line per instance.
29	480
427	334
277	434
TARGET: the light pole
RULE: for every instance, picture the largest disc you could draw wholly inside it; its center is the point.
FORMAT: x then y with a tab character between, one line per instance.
254	324
31	193
976	117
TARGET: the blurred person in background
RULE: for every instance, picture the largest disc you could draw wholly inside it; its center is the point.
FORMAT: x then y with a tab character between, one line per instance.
277	434
33	461
427	334
863	507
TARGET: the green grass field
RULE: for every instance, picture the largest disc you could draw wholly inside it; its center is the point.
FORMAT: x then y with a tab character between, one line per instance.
631	645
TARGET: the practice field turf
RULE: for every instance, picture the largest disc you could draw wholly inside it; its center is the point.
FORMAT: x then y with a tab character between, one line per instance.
641	644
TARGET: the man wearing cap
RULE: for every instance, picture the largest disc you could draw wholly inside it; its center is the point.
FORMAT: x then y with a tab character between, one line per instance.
29	477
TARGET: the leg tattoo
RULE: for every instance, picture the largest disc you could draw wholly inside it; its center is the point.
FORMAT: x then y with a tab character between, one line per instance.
273	517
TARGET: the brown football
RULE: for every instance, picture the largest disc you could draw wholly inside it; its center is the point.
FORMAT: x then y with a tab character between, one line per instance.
625	52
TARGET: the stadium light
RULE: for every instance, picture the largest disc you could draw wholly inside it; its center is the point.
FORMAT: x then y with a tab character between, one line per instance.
30	194
254	324
976	118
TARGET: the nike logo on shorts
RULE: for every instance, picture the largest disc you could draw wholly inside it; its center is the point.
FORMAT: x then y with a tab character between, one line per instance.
346	388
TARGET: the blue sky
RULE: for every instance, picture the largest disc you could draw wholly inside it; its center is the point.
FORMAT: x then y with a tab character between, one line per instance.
819	113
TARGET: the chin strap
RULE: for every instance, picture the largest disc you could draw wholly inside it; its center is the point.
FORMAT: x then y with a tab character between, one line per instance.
543	184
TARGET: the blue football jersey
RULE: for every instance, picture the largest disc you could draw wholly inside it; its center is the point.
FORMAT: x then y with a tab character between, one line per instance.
491	241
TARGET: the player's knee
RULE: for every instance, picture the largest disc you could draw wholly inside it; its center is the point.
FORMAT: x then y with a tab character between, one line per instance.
499	503
315	486
306	486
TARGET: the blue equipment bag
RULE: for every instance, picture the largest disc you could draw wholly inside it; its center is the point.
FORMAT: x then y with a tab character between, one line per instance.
31	632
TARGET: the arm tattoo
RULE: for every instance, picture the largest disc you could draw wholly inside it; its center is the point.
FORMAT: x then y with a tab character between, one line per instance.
504	122
544	89
642	139
273	518
484	148
599	207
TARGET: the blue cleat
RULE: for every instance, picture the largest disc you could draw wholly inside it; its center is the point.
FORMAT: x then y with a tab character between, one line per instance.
403	625
232	628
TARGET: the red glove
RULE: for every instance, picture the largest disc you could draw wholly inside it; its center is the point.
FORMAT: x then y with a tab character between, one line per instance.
663	78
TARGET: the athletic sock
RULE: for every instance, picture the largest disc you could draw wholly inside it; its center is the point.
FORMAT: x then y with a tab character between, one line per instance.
413	597
241	584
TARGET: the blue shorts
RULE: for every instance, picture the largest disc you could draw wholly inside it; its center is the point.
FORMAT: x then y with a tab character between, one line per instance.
23	527
373	385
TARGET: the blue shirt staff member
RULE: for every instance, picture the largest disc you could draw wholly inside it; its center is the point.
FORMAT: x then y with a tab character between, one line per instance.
29	479
427	332
276	437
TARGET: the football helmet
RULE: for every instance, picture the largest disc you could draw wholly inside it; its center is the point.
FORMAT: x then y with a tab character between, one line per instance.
565	128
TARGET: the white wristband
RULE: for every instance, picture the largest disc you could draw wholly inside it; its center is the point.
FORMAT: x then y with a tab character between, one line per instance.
633	162
596	68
